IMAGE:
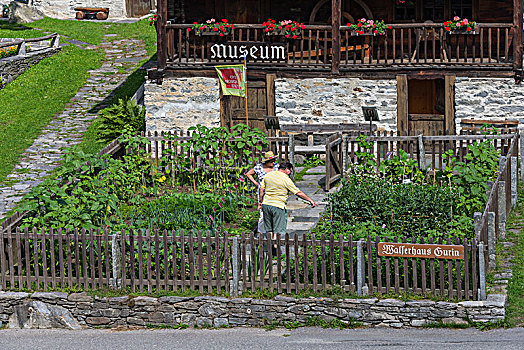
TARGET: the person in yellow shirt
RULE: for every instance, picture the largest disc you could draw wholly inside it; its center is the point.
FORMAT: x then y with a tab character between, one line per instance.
274	192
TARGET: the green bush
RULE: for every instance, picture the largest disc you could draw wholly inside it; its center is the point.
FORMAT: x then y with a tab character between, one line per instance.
373	206
125	115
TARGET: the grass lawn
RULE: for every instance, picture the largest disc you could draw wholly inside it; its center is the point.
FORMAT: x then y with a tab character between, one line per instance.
29	103
515	225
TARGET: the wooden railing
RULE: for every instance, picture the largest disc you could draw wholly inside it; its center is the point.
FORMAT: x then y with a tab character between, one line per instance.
198	261
311	50
341	150
429	45
407	46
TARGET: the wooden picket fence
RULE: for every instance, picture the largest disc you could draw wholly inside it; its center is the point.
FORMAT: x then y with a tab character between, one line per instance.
146	260
341	149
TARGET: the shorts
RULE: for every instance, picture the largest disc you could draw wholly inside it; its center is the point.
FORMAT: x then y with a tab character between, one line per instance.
275	219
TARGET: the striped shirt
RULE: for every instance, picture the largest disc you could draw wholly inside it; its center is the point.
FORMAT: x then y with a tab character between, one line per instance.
277	186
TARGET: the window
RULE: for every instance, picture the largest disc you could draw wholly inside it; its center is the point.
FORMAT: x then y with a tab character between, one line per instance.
432	10
405	10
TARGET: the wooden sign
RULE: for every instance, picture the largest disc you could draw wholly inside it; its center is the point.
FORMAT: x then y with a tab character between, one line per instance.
254	51
430	251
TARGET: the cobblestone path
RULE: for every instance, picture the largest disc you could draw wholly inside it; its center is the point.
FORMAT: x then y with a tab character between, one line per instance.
302	217
67	128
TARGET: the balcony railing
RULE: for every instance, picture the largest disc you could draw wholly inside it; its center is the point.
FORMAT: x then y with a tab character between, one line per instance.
406	46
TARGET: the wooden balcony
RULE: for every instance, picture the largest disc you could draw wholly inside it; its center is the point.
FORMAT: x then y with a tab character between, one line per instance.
406	47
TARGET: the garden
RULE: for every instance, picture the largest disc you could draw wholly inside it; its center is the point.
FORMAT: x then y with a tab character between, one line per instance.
176	213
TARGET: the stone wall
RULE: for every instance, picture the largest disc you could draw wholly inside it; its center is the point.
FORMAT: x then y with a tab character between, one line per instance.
14	66
181	103
218	311
65	8
488	98
338	100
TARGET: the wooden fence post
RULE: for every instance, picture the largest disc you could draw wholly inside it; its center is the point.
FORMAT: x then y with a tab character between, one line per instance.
421	152
477	217
291	145
502	210
513	181
502	162
234	287
360	268
521	139
482	273
344	154
492	242
116	258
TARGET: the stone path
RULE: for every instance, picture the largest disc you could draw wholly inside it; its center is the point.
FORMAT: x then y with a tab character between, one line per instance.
302	217
67	128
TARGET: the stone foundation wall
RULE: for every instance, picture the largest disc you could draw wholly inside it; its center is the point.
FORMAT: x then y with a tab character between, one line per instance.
488	98
339	100
181	103
219	312
14	66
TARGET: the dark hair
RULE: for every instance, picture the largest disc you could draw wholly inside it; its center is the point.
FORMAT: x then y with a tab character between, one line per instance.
286	165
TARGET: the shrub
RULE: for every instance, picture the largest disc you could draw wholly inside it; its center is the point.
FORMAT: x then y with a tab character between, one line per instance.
125	115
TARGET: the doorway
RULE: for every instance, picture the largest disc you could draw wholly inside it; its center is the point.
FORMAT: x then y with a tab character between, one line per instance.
260	102
426	106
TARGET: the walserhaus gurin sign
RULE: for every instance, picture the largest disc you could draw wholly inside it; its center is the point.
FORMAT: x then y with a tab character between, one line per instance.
429	251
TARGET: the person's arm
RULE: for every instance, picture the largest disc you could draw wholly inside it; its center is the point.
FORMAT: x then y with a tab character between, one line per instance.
250	174
261	196
307	198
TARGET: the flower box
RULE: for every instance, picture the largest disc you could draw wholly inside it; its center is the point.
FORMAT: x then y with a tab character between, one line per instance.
368	27
212	28
460	26
287	28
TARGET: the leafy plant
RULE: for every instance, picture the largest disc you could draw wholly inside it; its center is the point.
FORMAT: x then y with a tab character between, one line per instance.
123	116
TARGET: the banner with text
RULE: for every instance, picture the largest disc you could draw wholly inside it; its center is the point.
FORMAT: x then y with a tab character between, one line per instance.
232	79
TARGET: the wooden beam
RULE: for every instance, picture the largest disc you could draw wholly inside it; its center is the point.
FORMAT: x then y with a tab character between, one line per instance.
449	106
402	102
161	33
270	94
517	38
336	10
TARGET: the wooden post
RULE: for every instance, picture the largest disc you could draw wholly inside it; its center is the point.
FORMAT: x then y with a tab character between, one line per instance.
514	171
116	262
517	38
336	9
421	152
402	102
521	139
492	242
476	219
482	273
360	268
291	145
161	33
345	143
502	210
234	289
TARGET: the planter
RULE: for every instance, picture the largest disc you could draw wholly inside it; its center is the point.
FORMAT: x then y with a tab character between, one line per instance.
353	33
213	33
282	32
473	31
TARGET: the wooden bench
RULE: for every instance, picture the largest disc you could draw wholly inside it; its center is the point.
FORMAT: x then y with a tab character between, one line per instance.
100	13
475	125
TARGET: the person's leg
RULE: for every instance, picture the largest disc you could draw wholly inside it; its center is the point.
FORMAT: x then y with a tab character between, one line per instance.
261	227
280	221
267	217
